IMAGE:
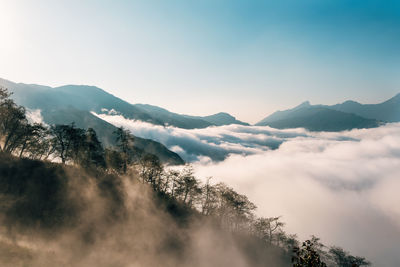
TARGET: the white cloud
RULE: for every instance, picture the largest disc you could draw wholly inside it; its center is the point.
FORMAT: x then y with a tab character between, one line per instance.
346	192
34	116
342	187
213	142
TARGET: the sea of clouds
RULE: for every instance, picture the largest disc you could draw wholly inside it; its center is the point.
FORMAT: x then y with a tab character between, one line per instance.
342	187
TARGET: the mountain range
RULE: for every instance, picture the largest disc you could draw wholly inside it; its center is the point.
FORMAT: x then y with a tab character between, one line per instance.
75	103
91	98
339	117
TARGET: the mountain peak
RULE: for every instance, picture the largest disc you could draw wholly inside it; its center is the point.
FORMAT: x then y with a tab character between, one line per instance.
222	115
303	105
223	118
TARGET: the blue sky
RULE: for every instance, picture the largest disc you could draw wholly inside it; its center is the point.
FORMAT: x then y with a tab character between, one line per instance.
248	58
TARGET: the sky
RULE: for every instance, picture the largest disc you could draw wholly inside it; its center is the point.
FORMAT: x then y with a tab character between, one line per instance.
247	58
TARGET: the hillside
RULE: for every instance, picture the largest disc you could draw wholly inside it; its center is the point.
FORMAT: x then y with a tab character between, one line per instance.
84	119
53	208
91	98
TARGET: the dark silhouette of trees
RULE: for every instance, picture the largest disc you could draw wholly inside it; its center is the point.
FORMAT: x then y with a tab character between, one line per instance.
68	142
151	171
307	256
209	198
35	143
187	187
343	259
81	147
125	144
12	123
93	151
17	135
113	160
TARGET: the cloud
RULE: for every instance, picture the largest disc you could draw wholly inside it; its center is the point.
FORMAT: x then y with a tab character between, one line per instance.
342	187
212	142
34	116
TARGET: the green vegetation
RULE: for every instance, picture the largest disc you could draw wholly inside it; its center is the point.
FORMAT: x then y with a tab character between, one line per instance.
42	195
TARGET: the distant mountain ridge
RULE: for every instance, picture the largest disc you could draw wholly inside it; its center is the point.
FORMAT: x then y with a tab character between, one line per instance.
388	111
91	98
322	119
345	116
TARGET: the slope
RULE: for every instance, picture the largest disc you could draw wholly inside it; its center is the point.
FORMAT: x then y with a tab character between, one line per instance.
388	111
84	119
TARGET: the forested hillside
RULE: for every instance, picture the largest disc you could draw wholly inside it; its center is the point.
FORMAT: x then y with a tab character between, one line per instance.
68	201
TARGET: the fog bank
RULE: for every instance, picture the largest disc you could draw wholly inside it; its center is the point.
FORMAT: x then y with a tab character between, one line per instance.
340	186
345	192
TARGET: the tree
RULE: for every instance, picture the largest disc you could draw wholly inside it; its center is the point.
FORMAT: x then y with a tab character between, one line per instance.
151	171
171	181
68	142
188	187
268	229
209	198
35	143
288	242
12	123
93	152
114	160
125	143
344	259
234	210
307	256
17	135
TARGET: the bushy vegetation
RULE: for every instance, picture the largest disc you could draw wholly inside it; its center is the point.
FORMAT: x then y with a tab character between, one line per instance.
38	196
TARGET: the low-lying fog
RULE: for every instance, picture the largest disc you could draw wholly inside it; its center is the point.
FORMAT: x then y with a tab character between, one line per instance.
342	187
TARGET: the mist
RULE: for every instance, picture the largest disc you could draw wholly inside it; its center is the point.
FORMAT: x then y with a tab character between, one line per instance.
208	144
54	215
341	187
345	192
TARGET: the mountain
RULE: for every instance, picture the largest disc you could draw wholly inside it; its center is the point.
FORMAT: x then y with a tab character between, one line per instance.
84	119
388	111
187	121
68	104
282	115
91	98
317	118
174	119
82	97
322	119
344	116
220	119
